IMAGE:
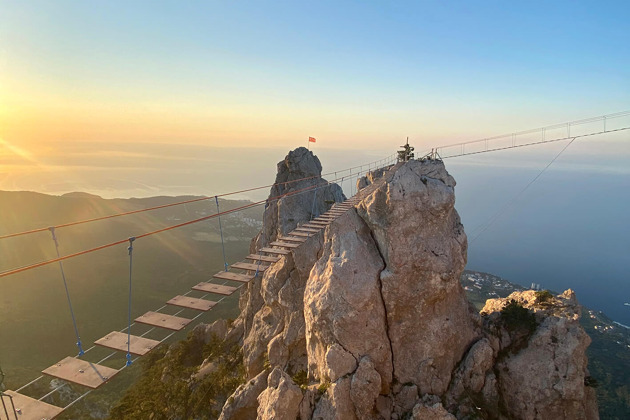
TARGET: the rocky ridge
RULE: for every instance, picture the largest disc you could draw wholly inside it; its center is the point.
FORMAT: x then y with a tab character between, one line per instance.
368	319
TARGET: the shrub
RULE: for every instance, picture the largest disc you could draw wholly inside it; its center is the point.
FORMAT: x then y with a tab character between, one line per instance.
516	317
323	387
168	390
543	296
301	378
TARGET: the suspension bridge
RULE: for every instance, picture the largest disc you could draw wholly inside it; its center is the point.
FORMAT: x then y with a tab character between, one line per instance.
92	374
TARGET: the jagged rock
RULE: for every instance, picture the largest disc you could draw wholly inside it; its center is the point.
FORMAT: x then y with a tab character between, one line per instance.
471	374
373	309
339	362
282	216
336	404
342	300
364	389
431	412
423	244
545	378
406	398
281	400
206	332
243	403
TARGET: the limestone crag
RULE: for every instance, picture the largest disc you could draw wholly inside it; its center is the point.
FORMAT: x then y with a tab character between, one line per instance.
367	319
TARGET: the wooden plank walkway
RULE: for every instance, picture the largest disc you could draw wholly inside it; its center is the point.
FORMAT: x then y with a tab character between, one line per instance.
192	303
81	372
265	258
215	288
170	322
250	267
118	341
275	251
285	244
228	275
27	408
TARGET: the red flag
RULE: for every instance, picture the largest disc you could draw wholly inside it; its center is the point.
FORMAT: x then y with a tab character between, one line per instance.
311	139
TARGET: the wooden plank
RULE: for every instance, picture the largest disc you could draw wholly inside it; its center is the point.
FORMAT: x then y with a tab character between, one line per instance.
81	372
249	266
192	303
285	244
313	226
321	222
118	341
215	288
27	408
291	239
301	234
265	258
228	275
170	322
307	230
275	251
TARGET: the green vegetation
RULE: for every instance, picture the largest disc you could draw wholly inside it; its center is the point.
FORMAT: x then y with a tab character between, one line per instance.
301	379
323	387
515	317
543	296
168	389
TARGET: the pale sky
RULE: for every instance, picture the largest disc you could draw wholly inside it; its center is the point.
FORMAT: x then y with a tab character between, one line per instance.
151	76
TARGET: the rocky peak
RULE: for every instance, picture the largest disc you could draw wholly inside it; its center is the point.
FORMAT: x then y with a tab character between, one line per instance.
297	173
368	320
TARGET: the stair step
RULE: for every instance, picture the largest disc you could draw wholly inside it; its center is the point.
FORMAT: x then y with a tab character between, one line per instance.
307	230
192	303
249	266
275	251
118	341
291	239
265	258
81	372
324	222
228	275
215	288
170	322
285	244
314	226
301	234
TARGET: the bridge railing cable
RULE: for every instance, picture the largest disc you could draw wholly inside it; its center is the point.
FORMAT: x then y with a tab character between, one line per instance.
165	229
548	134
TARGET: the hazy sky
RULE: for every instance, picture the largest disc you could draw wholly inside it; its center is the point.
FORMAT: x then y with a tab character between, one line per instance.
272	73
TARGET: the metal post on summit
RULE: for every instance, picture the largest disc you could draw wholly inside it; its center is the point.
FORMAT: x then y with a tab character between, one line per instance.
407	152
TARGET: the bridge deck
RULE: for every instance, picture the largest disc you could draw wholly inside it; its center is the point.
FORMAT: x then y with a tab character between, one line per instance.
81	372
265	258
118	341
228	275
192	303
275	251
170	322
27	408
301	234
249	266
285	244
215	288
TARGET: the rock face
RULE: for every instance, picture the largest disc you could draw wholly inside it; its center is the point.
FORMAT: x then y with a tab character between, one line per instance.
367	319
